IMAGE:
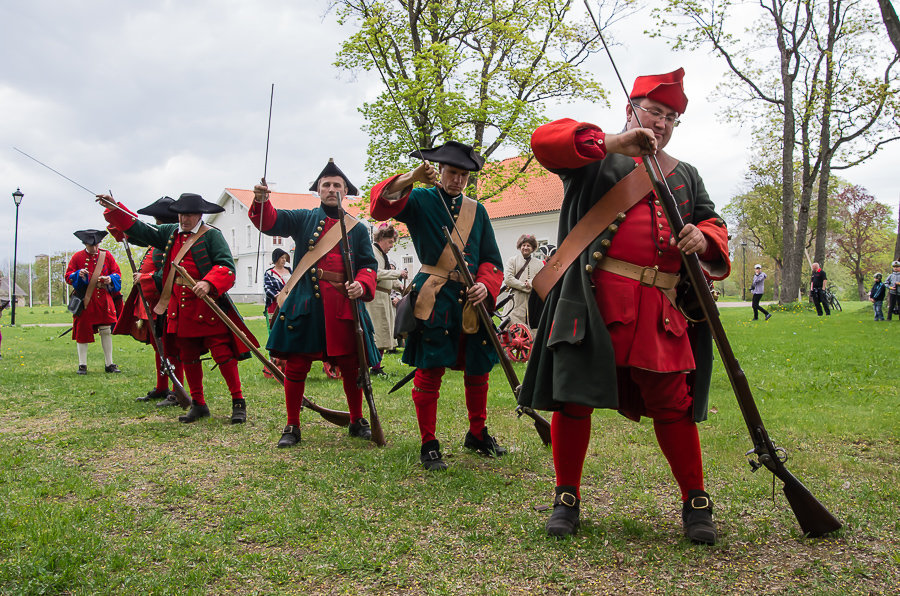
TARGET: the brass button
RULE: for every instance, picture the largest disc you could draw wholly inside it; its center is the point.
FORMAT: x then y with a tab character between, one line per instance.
281	317
460	300
588	268
605	243
598	255
315	234
667	320
613	228
484	342
290	327
314	278
661	239
660	226
321	222
317	295
316	288
659	214
312	270
319	229
446	332
620	216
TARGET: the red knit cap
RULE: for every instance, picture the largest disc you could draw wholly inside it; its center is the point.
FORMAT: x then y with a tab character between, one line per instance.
666	88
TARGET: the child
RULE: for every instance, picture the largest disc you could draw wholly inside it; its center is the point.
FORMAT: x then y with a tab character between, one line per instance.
876	297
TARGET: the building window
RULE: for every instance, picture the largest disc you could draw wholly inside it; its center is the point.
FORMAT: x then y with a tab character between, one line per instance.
250	276
277	240
249	237
231	202
233	240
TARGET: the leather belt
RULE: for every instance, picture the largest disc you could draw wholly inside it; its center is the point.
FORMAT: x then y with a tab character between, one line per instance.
646	276
451	274
385	290
332	276
180	281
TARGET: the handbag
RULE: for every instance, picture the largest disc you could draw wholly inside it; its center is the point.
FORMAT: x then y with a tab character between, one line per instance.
405	321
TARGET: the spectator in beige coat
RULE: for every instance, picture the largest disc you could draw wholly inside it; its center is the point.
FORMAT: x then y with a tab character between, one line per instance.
381	310
519	272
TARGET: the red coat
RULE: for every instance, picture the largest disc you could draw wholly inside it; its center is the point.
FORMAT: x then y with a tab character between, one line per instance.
100	310
133	318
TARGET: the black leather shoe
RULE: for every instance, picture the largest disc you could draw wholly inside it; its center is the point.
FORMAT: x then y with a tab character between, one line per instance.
195	413
82	369
486	445
377	372
431	457
566	510
153	394
112	368
290	436
170	400
238	411
361	429
696	517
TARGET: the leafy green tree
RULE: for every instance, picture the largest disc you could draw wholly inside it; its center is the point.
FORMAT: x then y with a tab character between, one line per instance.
863	233
476	71
809	72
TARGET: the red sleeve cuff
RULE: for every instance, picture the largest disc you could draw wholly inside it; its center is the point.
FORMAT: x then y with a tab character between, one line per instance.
265	211
379	207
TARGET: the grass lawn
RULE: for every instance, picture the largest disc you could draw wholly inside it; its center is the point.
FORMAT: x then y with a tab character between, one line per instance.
102	494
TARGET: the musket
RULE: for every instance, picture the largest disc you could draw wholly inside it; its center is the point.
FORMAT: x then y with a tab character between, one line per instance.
363	381
335	417
181	396
265	169
540	423
64	332
814	519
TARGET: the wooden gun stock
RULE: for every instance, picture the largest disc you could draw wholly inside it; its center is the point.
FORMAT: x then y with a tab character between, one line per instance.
335	417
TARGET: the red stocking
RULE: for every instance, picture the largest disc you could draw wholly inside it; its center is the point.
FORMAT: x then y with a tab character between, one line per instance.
476	401
426	388
680	443
570	433
296	368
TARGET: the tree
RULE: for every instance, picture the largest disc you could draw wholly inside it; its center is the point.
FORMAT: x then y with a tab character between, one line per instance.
864	231
477	71
827	100
891	22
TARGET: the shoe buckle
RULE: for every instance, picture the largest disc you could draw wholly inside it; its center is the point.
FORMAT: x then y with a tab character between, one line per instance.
567	499
705	500
433	455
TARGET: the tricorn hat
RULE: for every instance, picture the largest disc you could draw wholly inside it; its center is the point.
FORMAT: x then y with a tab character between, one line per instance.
331	169
277	254
193	203
91	237
160	210
453	153
667	89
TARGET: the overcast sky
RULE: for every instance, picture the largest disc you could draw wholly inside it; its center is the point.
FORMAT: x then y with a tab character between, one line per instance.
162	97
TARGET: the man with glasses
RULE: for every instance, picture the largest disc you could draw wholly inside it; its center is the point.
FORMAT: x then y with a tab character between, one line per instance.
611	335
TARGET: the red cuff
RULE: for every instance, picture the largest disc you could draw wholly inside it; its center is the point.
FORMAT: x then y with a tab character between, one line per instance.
717	245
492	278
590	143
367	278
382	209
264	210
120	220
556	144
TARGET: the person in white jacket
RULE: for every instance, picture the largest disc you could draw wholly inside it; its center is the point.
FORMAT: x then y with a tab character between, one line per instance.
519	272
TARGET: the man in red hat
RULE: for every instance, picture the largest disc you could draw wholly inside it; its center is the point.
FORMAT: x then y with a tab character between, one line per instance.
203	252
442	339
314	320
94	275
628	348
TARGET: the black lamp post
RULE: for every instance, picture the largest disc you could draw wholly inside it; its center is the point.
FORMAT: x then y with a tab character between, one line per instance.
744	280
17	197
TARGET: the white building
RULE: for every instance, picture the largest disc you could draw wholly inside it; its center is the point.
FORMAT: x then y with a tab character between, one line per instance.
531	208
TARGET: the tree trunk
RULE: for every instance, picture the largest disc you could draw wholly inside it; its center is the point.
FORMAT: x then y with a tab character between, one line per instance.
889	16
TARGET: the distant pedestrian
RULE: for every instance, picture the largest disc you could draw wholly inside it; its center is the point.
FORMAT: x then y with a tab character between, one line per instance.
893	284
756	289
817	289
876	297
520	270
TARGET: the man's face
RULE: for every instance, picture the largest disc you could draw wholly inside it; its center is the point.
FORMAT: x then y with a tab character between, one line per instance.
453	180
526	249
91	249
331	189
387	243
758	270
188	221
661	127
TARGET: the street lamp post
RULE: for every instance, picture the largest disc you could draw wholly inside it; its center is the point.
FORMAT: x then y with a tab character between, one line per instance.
17	197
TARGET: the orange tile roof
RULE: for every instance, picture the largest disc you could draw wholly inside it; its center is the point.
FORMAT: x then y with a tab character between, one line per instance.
538	192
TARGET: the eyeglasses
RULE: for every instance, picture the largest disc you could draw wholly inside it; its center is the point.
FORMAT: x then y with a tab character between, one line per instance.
657	115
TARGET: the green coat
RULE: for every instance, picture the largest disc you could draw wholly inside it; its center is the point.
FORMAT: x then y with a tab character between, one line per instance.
436	341
576	363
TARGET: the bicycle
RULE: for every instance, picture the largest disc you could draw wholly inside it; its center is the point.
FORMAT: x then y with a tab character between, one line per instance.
832	300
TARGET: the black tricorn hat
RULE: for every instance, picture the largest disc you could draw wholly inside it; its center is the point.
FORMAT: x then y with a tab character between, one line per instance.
332	170
160	210
91	237
193	203
453	153
277	254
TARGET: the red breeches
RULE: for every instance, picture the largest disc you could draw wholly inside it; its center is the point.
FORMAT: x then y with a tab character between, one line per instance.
296	370
425	393
191	348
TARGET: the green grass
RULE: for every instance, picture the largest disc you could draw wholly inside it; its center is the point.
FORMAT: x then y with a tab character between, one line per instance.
101	494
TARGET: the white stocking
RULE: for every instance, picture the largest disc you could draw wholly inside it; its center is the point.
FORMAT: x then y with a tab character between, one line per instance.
82	354
106	342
